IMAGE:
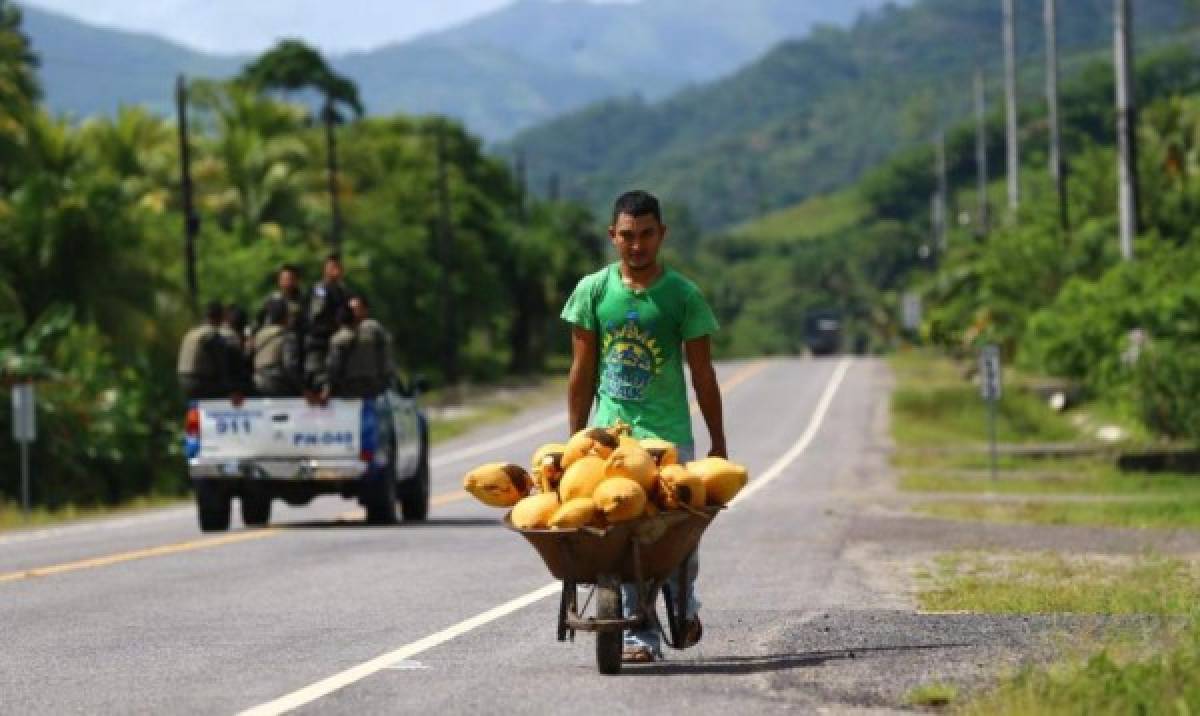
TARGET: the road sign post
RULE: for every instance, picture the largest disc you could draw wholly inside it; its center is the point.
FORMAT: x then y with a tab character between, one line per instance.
24	432
990	387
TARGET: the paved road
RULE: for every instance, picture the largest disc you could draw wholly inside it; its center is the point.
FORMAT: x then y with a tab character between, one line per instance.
323	615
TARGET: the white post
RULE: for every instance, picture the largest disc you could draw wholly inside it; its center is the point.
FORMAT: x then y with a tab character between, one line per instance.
1010	95
1127	198
981	153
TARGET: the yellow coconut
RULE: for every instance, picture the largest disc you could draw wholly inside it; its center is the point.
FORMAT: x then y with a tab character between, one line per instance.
547	466
498	484
722	479
677	487
620	499
592	441
534	512
579	512
632	462
581	478
663	452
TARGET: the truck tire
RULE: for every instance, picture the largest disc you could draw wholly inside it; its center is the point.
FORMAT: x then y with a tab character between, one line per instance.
414	492
212	506
378	496
256	508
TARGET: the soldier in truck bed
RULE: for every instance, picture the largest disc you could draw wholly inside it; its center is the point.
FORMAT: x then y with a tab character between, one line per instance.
360	355
276	354
325	300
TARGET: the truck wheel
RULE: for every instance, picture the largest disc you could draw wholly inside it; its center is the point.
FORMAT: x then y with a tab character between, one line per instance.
379	497
256	508
212	506
414	493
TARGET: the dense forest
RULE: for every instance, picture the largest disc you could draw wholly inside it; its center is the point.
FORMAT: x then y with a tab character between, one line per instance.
815	113
93	296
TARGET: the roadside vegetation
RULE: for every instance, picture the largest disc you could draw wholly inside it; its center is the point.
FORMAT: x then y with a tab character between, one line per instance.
93	297
1148	668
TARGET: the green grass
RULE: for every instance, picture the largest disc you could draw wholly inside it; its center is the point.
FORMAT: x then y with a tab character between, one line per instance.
1182	513
1118	675
1058	477
1166	682
814	218
12	518
1049	583
934	696
492	410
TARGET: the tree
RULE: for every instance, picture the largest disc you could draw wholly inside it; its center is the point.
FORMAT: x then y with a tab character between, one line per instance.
19	89
294	66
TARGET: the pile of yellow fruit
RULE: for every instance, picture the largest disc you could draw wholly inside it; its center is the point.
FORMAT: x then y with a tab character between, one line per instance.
602	476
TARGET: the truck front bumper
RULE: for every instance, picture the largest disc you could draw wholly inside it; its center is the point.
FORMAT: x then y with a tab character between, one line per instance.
277	469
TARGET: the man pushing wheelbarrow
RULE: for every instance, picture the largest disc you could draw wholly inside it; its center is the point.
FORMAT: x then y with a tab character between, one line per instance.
632	323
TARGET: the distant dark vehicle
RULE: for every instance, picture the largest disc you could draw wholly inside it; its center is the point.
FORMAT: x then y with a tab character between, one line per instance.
823	332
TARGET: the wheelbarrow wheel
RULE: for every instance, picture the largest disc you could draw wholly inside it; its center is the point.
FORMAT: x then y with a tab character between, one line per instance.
609	642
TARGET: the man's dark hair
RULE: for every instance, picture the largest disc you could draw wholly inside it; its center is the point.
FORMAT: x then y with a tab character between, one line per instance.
332	256
277	311
290	268
237	318
214	311
637	203
358	297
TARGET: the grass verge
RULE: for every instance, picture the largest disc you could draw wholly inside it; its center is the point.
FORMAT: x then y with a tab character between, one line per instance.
12	518
492	406
1048	583
932	696
1183	513
1121	675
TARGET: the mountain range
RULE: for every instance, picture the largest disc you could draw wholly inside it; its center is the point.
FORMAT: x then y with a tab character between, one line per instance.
814	113
525	63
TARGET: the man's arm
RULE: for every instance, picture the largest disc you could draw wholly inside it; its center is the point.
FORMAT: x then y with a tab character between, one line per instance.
581	386
708	392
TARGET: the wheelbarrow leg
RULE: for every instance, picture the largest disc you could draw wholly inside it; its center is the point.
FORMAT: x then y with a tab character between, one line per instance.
567	606
609	642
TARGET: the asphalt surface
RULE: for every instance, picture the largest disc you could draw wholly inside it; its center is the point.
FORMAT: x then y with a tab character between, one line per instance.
147	615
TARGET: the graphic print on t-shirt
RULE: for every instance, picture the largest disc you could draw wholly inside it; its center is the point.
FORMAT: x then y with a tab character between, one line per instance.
632	358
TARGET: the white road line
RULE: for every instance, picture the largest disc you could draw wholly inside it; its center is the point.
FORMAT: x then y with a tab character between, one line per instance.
559	420
354	674
805	440
327	686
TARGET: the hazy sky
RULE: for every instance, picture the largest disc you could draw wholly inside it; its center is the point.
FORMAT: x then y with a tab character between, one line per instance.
252	25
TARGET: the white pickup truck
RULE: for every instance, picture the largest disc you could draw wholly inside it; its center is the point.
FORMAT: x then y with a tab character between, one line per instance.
267	448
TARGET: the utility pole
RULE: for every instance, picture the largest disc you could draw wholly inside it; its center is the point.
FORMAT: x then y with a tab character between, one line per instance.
335	211
981	155
1011	115
1058	168
446	253
191	222
943	191
1127	192
522	184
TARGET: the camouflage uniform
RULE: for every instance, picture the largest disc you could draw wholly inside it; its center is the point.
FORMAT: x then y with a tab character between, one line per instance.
277	363
321	315
360	361
203	365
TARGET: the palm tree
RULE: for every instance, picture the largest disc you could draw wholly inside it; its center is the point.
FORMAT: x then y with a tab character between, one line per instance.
19	90
293	66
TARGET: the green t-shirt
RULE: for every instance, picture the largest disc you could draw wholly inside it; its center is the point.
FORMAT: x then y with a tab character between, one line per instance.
640	334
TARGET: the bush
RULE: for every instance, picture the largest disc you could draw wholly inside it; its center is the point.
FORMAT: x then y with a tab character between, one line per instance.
1167	378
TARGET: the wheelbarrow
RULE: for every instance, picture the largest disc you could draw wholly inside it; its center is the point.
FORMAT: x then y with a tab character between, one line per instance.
644	552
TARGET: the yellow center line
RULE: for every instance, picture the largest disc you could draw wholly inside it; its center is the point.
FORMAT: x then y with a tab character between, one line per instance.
160	551
165	550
